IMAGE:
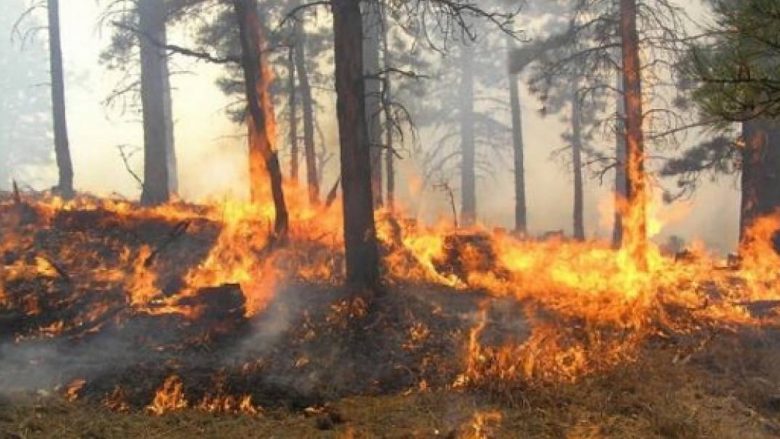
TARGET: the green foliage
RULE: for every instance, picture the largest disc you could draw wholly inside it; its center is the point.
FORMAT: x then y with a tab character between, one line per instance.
738	68
714	157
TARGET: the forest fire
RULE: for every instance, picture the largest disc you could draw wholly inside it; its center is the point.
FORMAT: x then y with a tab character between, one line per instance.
587	308
233	299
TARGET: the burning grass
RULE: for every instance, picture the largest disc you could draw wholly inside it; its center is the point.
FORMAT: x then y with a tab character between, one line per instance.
192	310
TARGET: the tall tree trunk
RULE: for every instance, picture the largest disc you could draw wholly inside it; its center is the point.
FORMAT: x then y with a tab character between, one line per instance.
521	216
372	31
170	140
468	171
293	106
635	221
620	163
760	173
389	124
261	115
576	161
307	103
362	256
61	147
151	19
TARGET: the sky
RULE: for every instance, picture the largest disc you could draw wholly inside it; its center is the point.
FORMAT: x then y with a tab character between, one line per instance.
212	154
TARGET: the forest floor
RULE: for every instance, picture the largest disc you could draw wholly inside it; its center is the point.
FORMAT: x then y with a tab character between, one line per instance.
648	399
80	359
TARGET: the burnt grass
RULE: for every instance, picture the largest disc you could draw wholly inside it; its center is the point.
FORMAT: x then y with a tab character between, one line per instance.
312	344
385	367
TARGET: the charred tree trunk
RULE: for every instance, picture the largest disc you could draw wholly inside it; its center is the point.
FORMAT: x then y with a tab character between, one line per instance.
372	31
620	164
261	117
362	256
389	124
390	169
293	106
521	216
151	19
576	162
468	171
635	221
61	146
760	173
307	104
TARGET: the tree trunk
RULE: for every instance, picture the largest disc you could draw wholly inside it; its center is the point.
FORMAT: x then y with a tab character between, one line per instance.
151	19
760	172
468	172
521	219
261	116
635	221
576	161
389	125
362	256
293	105
620	163
372	31
307	102
61	147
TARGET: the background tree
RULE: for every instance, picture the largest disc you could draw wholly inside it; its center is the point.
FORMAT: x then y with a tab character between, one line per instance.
307	48
139	35
734	74
25	109
61	146
518	148
600	34
463	110
372	47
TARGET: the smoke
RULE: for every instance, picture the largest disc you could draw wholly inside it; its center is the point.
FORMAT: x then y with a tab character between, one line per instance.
45	364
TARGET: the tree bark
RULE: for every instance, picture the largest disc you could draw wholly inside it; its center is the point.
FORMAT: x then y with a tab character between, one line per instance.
620	163
521	216
760	173
372	31
261	116
61	146
576	161
170	140
635	221
468	172
307	103
151	19
389	126
293	106
362	256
